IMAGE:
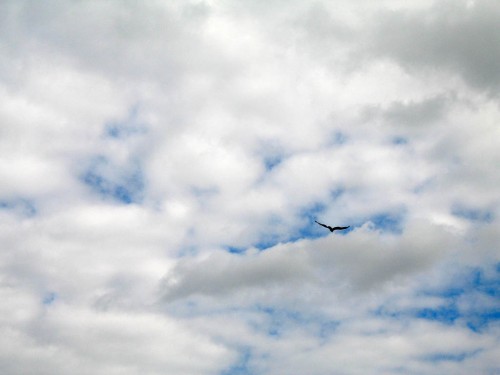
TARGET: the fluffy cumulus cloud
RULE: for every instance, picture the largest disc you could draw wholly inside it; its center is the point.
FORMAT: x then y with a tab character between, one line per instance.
163	164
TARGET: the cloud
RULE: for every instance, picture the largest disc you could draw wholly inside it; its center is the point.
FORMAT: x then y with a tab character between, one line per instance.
222	272
422	113
457	37
363	261
82	341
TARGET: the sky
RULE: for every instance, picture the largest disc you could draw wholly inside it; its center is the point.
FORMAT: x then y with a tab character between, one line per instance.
163	163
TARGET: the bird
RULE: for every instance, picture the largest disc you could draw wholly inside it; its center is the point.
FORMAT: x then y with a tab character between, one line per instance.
332	228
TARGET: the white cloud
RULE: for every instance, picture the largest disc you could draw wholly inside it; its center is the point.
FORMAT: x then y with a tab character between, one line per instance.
62	339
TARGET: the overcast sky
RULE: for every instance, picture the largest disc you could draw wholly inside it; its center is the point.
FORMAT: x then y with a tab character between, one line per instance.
162	164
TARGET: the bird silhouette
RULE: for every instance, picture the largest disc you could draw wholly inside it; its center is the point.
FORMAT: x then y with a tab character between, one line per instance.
332	228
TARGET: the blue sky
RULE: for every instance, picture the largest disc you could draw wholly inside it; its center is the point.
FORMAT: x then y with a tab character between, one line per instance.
163	165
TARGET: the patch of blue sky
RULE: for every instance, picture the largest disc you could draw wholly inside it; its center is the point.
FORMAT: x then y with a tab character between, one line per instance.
447	314
472	214
277	319
449	292
480	321
338	138
483	280
388	221
122	131
276	234
242	366
271	161
328	328
312	211
336	193
399	141
487	283
125	185
281	320
460	301
384	312
128	127
450	357
235	249
268	241
49	298
21	206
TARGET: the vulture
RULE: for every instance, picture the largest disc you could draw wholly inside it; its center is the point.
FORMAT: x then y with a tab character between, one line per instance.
332	228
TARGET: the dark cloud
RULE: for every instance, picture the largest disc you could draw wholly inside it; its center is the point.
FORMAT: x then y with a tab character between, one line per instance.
223	273
411	113
416	113
458	37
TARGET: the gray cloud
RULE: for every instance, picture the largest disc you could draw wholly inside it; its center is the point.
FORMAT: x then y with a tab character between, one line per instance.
458	37
361	263
222	273
421	113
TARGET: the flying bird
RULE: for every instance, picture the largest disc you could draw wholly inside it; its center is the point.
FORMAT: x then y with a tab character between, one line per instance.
332	228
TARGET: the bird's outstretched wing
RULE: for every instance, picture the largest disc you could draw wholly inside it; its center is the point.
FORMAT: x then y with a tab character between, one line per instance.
339	228
323	225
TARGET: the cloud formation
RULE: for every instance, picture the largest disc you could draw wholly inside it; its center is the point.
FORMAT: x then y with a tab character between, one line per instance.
162	166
